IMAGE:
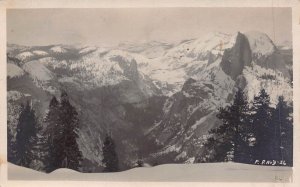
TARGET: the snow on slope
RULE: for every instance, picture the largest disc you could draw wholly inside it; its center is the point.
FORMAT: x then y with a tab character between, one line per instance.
260	43
98	67
98	71
87	50
40	53
120	53
179	131
192	58
15	95
52	62
188	59
58	49
14	70
37	71
205	172
272	81
200	121
215	43
222	83
214	88
24	55
13	110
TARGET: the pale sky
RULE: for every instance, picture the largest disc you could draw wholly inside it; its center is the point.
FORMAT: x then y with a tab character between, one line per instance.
112	26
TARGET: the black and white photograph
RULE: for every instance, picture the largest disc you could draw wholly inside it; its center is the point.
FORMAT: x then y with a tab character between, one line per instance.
150	94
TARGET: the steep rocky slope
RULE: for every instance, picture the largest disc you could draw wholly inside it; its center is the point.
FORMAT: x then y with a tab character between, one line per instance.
252	63
157	100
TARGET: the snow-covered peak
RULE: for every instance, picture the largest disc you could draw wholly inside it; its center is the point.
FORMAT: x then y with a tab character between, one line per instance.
58	49
24	55
100	68
40	53
260	43
214	43
14	71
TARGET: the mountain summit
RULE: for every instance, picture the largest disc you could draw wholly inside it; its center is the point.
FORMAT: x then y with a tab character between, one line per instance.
158	100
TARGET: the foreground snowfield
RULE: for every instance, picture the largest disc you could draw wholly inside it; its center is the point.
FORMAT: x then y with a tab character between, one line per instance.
207	172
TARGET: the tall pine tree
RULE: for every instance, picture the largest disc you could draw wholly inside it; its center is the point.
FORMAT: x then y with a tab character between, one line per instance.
229	142
39	150
26	135
282	136
262	129
52	134
110	158
69	154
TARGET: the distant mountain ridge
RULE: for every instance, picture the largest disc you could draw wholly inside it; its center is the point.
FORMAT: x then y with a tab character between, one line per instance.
187	82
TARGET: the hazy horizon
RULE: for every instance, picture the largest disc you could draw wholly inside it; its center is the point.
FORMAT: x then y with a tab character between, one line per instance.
109	27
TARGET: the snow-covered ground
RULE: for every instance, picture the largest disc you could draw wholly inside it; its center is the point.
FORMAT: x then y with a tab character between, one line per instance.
24	55
37	71
207	172
40	53
14	70
58	49
87	50
260	43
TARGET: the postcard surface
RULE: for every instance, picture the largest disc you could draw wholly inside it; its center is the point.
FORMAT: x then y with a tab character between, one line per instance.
161	94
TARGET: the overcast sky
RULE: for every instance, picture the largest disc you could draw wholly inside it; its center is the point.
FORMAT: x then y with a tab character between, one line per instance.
112	26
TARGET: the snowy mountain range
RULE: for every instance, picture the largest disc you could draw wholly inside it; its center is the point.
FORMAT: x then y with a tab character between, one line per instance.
158	100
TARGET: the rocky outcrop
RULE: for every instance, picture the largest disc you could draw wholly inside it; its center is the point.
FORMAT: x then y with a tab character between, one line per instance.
235	58
125	93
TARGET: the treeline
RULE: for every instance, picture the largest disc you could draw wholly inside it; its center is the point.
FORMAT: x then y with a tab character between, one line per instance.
53	144
49	145
253	133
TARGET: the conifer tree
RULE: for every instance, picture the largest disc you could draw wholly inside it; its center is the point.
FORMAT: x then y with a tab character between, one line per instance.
53	132
69	155
230	140
262	129
26	135
110	158
282	128
39	150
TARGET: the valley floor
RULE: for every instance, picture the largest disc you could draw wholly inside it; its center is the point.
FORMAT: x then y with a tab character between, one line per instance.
205	172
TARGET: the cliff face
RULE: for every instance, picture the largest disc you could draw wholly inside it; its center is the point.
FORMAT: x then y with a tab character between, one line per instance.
235	58
250	49
252	63
159	109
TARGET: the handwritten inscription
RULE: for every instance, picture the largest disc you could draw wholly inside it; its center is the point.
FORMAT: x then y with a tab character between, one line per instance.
270	162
